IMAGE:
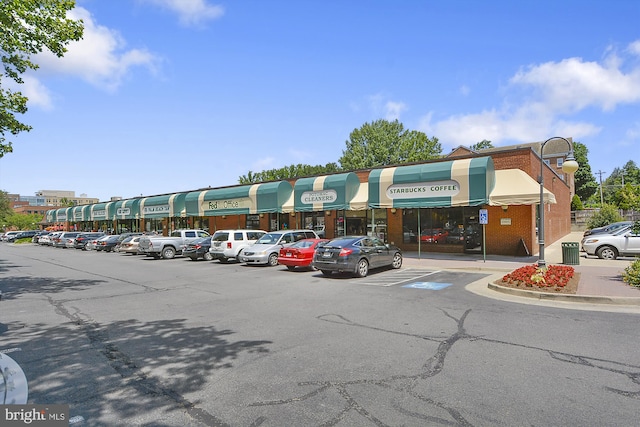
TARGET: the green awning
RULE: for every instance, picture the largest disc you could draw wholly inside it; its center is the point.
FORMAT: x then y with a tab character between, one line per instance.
465	182
50	216
166	206
81	213
103	211
324	193
63	215
127	209
267	197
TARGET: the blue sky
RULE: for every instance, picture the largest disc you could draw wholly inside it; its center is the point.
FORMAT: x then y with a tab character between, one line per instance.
174	95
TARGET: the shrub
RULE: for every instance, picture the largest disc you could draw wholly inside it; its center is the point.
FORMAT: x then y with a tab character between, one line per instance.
576	203
632	274
606	215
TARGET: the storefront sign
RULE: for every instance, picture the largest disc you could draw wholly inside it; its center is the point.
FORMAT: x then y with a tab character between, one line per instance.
221	205
423	190
62	217
102	214
77	215
123	211
160	209
324	196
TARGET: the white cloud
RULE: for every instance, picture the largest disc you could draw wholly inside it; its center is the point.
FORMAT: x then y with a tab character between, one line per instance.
191	12
543	99
35	91
381	106
634	48
394	109
100	58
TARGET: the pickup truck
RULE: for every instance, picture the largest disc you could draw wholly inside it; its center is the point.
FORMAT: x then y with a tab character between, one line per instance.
168	247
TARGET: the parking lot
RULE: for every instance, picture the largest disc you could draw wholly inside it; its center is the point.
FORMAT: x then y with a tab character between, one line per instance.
128	340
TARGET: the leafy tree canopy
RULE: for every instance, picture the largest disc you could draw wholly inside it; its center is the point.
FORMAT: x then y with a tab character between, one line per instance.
287	172
481	145
28	27
584	181
386	143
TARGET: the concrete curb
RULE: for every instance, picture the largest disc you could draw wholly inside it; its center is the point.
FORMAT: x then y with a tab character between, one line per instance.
592	299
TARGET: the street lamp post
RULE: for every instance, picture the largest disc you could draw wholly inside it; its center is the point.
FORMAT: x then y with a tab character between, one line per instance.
568	166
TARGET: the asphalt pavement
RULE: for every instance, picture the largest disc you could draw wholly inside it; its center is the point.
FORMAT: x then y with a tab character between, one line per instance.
600	280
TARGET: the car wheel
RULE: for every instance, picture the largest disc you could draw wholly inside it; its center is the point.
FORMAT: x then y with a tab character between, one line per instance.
397	260
291	267
607	252
273	260
362	268
207	256
168	253
193	258
325	272
224	260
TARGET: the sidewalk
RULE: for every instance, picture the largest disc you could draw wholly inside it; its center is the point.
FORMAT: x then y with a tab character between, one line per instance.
600	280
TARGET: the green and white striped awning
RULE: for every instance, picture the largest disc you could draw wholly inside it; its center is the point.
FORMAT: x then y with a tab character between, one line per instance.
80	213
465	182
324	193
127	209
266	197
166	206
102	211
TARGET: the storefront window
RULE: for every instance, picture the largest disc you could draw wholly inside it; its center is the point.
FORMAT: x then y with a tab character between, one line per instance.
433	226
153	225
314	221
253	222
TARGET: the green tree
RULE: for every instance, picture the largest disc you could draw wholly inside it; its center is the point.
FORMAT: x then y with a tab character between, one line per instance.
5	206
287	172
629	174
23	221
576	203
481	145
386	143
585	182
627	197
28	27
605	216
66	202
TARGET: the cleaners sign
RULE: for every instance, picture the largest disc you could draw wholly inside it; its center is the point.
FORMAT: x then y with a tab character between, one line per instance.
323	196
423	190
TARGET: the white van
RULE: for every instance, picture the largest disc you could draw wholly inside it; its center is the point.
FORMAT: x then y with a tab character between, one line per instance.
227	244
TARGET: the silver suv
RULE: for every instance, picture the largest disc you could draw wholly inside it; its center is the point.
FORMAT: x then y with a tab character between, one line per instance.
266	249
227	244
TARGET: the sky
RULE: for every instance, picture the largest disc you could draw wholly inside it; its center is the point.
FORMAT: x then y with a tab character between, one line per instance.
164	96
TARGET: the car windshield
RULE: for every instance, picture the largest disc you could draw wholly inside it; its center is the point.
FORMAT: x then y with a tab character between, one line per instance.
307	243
269	238
340	242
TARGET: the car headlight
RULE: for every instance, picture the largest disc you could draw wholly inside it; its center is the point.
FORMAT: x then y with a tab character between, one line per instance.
590	241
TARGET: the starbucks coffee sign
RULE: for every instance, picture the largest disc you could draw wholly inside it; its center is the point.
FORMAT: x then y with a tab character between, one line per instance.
423	190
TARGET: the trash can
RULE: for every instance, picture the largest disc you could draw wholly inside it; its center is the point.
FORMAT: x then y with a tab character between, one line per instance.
571	253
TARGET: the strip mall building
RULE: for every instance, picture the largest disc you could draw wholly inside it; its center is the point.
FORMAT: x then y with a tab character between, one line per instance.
433	206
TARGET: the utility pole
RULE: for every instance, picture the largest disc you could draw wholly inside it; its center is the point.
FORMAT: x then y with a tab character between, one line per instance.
600	173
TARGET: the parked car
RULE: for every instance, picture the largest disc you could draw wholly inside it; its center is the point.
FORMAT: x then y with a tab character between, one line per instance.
198	248
36	238
47	239
356	255
60	241
299	254
455	236
83	238
433	235
227	244
22	235
168	247
107	243
266	249
130	245
9	234
610	228
623	242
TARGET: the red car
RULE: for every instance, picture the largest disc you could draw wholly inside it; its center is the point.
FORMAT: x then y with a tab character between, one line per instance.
299	254
435	235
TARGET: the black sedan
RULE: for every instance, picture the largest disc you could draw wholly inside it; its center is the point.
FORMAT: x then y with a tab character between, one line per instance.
356	255
198	249
107	243
83	238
